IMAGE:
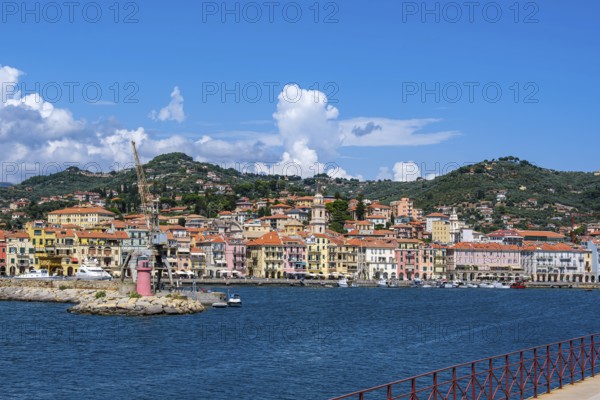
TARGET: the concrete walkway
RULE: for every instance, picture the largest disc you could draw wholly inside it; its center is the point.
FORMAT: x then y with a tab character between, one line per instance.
584	390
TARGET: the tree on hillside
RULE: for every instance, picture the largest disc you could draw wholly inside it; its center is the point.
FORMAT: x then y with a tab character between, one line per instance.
360	208
338	211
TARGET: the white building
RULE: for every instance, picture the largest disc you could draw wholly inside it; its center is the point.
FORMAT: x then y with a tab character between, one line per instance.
557	262
380	260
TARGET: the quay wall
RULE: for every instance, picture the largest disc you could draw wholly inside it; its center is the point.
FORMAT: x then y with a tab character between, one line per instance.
61	283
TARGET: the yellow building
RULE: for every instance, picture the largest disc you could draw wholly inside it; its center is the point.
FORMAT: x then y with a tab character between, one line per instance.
440	231
84	217
43	241
293	227
317	254
19	253
102	246
264	257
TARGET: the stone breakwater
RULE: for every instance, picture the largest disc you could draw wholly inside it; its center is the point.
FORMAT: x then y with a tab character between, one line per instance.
99	302
154	305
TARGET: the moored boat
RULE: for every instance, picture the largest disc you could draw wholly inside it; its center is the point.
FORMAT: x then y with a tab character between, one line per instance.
91	270
234	301
343	282
382	283
518	285
500	285
35	274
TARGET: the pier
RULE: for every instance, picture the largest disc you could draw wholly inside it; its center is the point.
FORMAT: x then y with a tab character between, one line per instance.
556	371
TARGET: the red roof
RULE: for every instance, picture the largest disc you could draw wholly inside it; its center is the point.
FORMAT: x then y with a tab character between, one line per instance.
82	210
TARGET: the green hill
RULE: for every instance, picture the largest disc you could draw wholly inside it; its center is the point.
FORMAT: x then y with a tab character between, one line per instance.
534	195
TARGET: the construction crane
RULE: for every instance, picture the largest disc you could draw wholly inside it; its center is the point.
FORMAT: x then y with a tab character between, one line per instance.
157	240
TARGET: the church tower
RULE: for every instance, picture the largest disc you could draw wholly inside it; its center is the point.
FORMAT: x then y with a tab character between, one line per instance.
318	217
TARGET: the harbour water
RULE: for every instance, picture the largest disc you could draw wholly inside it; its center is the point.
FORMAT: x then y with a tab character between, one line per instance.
284	343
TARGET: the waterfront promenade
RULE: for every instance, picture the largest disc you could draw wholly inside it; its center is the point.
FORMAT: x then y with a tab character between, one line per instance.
588	389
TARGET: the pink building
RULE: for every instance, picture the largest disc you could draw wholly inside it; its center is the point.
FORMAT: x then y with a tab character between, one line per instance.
235	256
294	254
476	261
414	260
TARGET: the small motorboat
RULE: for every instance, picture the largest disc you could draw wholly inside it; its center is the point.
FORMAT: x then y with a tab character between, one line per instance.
382	283
220	304
234	301
472	286
500	285
343	282
518	285
426	286
485	285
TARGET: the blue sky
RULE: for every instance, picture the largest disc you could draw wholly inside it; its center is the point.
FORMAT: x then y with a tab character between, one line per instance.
384	89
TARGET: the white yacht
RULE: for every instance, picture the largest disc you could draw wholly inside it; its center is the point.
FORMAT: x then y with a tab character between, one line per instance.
343	282
500	285
35	274
90	270
382	283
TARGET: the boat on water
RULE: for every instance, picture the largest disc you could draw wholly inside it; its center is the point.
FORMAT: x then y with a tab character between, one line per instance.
486	285
472	286
500	285
518	285
234	301
445	285
220	304
90	270
343	282
382	283
36	274
426	286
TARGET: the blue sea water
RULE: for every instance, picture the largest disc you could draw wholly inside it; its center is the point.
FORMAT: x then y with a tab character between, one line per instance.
284	343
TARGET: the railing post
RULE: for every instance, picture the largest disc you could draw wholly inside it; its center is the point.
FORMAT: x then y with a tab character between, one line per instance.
593	354
490	378
535	380
435	386
506	372
454	383
473	381
560	366
413	392
521	377
547	369
389	392
582	356
571	357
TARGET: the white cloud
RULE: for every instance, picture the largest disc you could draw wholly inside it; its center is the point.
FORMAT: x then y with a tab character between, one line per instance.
406	171
384	173
371	132
173	111
402	171
307	138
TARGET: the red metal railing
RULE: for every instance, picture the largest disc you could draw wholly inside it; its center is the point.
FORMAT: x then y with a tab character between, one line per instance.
520	375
